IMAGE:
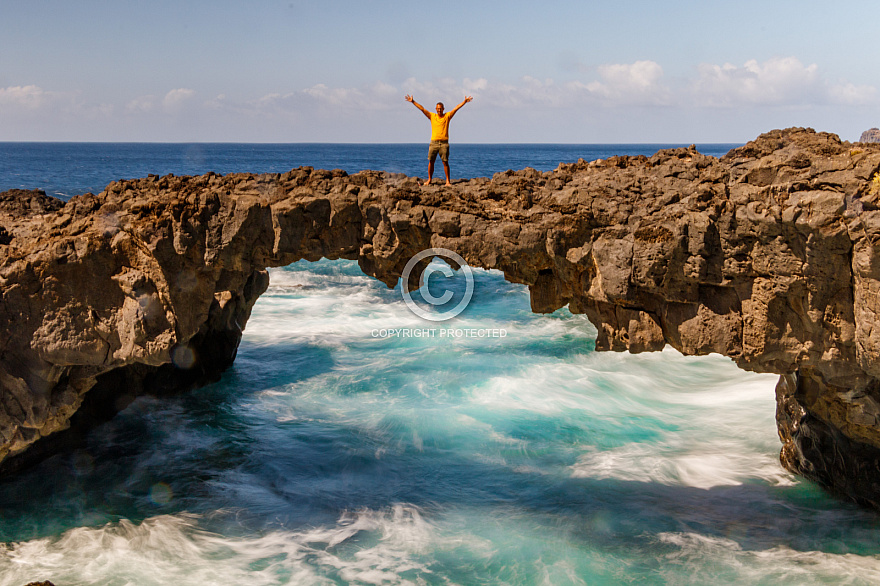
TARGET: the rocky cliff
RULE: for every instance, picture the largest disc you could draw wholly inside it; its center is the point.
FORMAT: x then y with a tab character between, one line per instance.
870	135
770	255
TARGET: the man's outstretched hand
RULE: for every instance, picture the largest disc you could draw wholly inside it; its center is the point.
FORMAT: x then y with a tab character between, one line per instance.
409	99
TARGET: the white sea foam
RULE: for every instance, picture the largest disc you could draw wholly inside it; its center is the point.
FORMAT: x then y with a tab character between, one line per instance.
655	419
700	466
364	547
702	559
339	308
711	424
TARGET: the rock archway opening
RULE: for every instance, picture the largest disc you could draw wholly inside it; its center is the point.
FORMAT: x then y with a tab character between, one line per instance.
767	256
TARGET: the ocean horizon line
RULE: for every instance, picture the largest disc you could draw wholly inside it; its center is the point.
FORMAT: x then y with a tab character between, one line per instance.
306	143
65	169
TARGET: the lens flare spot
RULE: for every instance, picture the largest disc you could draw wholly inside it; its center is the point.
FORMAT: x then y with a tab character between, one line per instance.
161	493
183	357
83	463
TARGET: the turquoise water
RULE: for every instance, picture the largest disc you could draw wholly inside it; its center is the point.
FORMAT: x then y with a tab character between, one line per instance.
333	453
330	454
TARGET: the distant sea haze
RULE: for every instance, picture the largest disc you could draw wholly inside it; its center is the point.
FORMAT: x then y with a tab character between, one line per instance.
68	169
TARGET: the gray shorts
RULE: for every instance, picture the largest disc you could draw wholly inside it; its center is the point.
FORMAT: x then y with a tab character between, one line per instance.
441	147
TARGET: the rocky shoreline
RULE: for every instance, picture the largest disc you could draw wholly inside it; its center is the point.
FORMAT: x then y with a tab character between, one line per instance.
769	255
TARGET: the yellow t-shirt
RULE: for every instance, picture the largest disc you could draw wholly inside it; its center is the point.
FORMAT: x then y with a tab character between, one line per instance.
440	126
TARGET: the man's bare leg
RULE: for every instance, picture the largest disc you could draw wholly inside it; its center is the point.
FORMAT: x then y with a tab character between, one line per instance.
446	170
430	173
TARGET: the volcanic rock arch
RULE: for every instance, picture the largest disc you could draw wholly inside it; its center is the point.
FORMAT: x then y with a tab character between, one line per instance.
768	255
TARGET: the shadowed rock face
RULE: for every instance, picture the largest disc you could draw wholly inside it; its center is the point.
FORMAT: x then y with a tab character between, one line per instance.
770	255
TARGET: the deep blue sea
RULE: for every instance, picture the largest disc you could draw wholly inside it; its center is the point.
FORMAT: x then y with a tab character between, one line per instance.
343	448
67	169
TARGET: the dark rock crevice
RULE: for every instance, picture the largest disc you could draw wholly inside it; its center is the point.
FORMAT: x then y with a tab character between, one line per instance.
811	418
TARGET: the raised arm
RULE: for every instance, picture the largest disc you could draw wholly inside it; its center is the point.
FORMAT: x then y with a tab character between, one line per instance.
457	108
419	106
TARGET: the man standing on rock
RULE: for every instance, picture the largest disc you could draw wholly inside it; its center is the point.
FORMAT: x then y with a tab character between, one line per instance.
439	135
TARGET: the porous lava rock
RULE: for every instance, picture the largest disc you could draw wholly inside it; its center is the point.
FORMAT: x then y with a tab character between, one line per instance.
870	135
769	255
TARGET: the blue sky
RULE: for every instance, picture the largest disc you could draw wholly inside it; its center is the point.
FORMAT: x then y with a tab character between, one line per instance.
337	71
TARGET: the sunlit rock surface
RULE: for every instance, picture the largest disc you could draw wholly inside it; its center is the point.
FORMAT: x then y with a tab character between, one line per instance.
770	255
870	135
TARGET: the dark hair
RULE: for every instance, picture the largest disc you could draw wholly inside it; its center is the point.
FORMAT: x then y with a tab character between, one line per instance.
439	104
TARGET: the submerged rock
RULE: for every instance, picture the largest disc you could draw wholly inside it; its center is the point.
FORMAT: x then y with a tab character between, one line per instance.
768	255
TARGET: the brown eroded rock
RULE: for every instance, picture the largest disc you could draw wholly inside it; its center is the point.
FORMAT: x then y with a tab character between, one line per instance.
768	255
870	135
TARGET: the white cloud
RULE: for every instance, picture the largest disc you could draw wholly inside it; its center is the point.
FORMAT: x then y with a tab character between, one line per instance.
30	97
529	93
217	102
141	104
852	95
445	89
172	102
641	75
475	85
375	96
781	81
271	105
591	98
637	82
176	98
334	96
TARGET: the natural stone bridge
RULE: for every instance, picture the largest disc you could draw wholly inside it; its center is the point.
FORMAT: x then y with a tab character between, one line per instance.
770	255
